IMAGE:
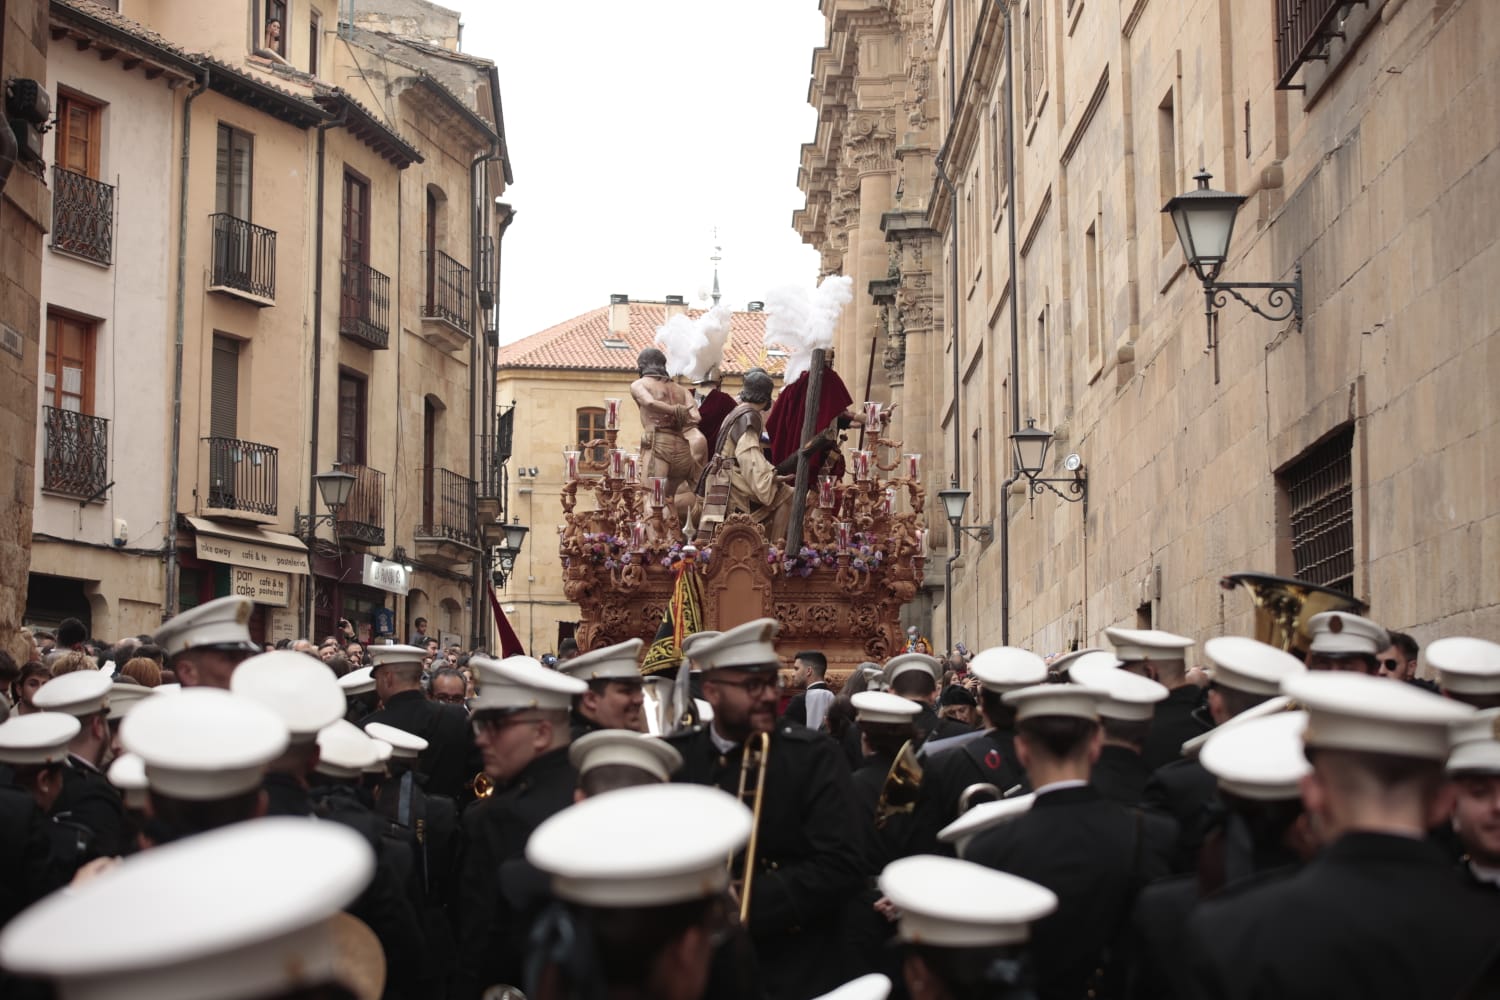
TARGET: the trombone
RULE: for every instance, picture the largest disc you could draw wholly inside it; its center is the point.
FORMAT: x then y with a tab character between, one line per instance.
756	757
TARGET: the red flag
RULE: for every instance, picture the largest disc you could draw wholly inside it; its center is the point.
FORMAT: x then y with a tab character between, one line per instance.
510	643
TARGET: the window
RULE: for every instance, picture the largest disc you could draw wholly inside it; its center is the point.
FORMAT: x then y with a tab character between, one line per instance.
273	31
429	458
1093	263
997	155
1034	66
356	221
234	172
69	382
314	41
224	394
591	428
1167	159
352	419
1318	497
1042	393
78	125
976	466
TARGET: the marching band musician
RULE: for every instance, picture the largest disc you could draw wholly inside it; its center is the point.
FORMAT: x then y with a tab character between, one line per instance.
806	867
610	759
1125	716
1162	657
616	694
88	801
448	762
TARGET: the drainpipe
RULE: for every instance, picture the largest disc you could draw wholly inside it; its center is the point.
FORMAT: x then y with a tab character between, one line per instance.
1015	324
940	163
172	596
479	393
317	372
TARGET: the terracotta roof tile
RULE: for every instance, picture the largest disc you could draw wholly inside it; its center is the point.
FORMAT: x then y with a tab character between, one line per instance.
113	18
579	343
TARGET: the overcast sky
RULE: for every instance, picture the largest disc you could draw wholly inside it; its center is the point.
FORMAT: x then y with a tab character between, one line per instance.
634	130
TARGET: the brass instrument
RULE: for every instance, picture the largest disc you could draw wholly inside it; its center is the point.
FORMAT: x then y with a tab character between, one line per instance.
756	757
1283	607
482	786
903	783
977	793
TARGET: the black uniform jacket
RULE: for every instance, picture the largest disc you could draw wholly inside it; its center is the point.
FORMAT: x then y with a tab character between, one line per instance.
1374	917
1120	775
88	801
26	846
989	759
796	708
1173	724
1185	791
498	889
450	760
810	851
1095	855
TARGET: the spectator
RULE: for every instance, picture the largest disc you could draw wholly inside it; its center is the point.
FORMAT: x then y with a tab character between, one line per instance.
151	651
567	649
10	670
69	662
33	675
419	632
449	686
356	654
71	634
1398	661
143	671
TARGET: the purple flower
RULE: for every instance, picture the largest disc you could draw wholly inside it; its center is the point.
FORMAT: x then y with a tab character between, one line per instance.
667	563
858	564
805	571
626	559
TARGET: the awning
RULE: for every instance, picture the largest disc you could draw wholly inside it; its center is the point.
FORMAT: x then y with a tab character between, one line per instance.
254	548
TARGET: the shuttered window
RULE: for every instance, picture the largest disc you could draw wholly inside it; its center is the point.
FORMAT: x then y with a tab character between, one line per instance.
224	406
351	419
78	123
69	381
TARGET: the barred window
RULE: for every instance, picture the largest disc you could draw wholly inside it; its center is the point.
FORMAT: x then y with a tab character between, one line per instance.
1320	512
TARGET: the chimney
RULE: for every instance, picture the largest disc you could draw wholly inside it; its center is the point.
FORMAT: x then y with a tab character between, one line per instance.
755	307
619	315
676	306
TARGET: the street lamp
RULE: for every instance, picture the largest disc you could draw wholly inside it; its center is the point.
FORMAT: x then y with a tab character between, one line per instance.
1030	444
505	555
334	488
1204	220
954	502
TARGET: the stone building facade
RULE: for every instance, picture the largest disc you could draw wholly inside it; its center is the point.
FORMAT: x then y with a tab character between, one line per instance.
1357	448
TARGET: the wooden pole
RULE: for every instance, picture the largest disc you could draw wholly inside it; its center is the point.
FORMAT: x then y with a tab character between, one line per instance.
809	427
869	383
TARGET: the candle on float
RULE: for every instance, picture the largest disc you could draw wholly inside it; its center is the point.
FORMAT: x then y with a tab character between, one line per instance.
872	414
637	536
914	467
658	491
888	502
611	414
616	463
861	465
844	531
826	496
630	467
570	463
921	542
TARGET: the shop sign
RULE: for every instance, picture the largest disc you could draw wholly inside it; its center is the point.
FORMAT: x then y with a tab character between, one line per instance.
251	555
262	587
385	574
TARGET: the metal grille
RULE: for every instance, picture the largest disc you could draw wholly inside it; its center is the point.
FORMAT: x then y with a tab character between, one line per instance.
76	453
362	518
365	305
1303	28
447	290
83	216
1320	487
244	256
242	475
451	507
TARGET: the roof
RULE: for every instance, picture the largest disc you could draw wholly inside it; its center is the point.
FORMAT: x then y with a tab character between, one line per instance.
578	344
366	126
143	42
247	89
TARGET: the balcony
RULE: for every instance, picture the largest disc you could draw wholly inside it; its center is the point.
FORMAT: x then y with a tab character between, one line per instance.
75	453
445	310
83	216
1303	30
244	260
241	481
362	518
448	533
484	282
365	305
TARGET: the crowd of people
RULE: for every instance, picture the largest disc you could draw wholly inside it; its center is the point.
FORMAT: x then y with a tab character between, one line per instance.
187	815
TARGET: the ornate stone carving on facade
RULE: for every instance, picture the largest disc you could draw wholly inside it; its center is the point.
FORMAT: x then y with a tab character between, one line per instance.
870	142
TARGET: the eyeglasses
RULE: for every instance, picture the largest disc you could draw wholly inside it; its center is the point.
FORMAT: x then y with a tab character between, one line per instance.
494	726
449	699
752	686
1391	665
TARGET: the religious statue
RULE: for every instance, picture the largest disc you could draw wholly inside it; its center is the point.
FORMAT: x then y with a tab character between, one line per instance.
672	446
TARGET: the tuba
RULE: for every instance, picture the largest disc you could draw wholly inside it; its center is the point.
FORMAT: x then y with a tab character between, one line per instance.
1284	605
903	783
756	757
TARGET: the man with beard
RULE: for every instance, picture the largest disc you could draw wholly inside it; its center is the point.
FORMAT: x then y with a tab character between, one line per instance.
805	869
615	695
88	801
672	446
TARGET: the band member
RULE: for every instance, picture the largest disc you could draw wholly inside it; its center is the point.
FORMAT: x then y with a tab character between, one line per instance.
1341	641
915	676
1474	769
88	802
306	696
806	868
203	645
1162	657
1120	773
1468	669
610	759
449	761
616	694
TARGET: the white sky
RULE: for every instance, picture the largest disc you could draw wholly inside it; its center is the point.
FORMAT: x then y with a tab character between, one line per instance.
635	129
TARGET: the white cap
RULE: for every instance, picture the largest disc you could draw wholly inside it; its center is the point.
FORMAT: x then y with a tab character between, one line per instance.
645	846
983	817
124	696
904	662
519	683
1350	711
298	688
880	707
168	688
1006	668
221	624
204	744
361	681
870	987
81	693
750	646
950	903
1338	633
1131	698
690	642
1056	699
1464	665
247	907
344	751
1280	703
404	745
1249	665
1135	645
617	662
1060	665
383	753
127	772
628	747
1260	759
1476	744
37	738
386	656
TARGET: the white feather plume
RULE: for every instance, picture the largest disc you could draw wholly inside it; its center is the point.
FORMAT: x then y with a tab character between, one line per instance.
803	321
693	344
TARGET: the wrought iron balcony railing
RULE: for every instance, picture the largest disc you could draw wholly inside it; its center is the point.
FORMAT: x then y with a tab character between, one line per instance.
244	257
365	305
362	518
447	290
447	507
1303	28
75	455
83	216
241	475
484	281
